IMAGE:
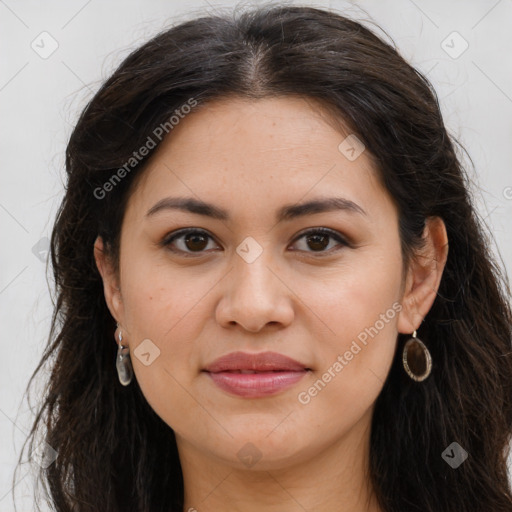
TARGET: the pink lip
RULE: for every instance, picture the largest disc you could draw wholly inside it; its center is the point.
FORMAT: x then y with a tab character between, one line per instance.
275	372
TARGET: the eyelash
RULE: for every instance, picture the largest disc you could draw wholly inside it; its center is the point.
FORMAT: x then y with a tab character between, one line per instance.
167	241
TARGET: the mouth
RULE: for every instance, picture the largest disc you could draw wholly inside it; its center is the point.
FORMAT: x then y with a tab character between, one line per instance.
248	372
255	375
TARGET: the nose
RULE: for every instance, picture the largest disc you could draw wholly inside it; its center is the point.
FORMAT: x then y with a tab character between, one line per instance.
255	295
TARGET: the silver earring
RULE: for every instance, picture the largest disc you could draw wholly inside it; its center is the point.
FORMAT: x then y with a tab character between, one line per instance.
124	363
419	366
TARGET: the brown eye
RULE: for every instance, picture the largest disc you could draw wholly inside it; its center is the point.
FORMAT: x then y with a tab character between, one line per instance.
190	241
195	242
317	240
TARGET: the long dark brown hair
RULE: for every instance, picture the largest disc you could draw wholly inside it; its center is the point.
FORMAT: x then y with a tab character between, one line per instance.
113	453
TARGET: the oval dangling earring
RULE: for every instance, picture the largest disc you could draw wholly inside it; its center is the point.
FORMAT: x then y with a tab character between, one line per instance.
124	363
420	365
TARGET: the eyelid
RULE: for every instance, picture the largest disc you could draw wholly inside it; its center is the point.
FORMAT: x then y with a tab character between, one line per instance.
325	231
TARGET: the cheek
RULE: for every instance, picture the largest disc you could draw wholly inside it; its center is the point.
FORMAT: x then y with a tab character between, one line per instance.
163	309
353	368
354	296
160	297
359	309
165	306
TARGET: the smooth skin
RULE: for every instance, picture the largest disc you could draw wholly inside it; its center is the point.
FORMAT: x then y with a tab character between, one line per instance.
303	297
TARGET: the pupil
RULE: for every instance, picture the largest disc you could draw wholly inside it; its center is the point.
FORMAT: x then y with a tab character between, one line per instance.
316	238
194	238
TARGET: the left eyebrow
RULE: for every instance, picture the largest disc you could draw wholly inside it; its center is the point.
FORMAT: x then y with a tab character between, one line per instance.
329	204
286	213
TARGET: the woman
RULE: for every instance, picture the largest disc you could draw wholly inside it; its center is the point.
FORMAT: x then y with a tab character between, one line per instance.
268	217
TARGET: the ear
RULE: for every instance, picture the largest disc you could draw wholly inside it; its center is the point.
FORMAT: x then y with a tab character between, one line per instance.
424	276
110	281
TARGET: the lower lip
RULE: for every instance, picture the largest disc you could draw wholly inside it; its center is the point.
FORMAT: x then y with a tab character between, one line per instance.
256	384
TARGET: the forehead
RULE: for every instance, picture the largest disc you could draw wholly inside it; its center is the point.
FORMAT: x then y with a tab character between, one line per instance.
270	150
274	124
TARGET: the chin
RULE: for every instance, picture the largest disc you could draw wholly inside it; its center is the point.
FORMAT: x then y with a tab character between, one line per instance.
261	450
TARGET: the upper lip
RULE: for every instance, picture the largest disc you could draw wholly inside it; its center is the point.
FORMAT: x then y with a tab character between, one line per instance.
262	361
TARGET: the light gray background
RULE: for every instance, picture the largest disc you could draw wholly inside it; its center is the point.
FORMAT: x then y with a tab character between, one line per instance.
40	99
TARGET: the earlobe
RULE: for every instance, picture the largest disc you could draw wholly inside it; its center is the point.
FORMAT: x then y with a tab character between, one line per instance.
424	276
110	281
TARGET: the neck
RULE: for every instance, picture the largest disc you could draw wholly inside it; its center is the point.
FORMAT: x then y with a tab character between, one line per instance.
335	479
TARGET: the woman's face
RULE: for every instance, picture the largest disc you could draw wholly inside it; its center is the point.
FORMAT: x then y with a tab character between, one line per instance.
255	282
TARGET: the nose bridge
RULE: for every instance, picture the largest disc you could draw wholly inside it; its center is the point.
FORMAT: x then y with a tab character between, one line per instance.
255	296
252	274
